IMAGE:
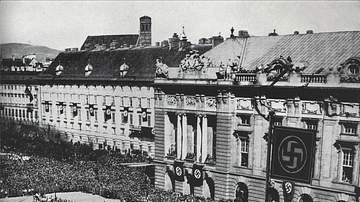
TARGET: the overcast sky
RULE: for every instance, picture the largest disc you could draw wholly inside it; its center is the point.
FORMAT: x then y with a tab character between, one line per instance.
66	24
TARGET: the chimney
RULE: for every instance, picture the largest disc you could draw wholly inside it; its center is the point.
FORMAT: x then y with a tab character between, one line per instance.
243	34
309	32
296	32
216	40
164	44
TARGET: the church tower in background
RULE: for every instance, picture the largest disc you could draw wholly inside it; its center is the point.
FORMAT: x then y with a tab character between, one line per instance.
145	31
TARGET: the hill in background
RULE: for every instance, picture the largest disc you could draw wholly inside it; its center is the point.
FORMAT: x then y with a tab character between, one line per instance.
19	49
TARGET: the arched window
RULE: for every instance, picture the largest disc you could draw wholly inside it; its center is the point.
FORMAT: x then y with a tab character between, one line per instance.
305	198
273	195
242	192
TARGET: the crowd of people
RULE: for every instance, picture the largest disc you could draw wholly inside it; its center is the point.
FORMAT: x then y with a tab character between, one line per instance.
39	161
45	175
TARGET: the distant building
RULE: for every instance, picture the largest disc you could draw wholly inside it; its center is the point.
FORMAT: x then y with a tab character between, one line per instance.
103	42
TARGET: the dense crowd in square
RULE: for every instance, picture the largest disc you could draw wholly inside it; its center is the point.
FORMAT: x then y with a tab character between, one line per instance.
29	170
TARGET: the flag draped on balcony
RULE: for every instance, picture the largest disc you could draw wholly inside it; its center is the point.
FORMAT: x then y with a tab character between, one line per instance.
107	113
144	114
28	93
91	109
74	109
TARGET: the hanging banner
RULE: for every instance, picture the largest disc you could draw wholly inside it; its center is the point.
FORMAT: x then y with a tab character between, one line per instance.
357	192
126	113
61	108
74	109
288	190
197	175
91	109
179	171
293	153
47	106
107	113
144	114
28	93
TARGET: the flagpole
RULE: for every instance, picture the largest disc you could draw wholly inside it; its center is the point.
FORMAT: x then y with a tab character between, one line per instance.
269	147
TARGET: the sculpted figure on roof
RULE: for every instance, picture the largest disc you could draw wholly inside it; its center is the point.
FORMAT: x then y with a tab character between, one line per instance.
193	62
161	69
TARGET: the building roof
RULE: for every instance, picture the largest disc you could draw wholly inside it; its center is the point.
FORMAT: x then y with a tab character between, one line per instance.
106	63
324	51
6	63
18	77
91	41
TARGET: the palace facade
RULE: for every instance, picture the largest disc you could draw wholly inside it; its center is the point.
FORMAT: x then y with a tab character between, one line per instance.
203	111
212	119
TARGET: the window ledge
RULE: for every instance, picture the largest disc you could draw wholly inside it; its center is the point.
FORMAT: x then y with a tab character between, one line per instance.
349	134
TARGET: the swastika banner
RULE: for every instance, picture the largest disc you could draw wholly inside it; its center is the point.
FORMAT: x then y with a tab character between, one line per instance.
293	153
197	175
179	171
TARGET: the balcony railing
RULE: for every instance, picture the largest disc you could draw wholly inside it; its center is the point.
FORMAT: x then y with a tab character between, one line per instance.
250	77
311	78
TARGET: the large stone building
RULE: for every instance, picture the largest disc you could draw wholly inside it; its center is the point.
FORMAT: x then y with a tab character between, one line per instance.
203	113
212	116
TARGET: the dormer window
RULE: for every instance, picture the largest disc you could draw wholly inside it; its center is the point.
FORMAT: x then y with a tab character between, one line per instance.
123	69
88	69
58	70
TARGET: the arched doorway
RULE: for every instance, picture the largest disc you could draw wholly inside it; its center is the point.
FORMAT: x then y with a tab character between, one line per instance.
242	192
305	198
273	195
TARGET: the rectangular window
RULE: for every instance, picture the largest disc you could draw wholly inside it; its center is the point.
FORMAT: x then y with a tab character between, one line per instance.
95	99
130	101
139	102
243	151
36	114
311	125
122	101
79	113
113	101
58	110
24	113
140	118
148	102
95	115
113	117
64	111
277	121
104	100
87	99
349	128
149	120
87	115
131	119
347	165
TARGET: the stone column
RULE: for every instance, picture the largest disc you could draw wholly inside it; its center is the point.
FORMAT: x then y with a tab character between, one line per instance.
198	137
178	138
184	136
204	139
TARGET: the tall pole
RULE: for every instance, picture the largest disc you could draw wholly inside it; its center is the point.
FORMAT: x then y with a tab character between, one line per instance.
269	149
